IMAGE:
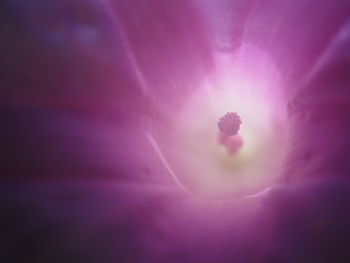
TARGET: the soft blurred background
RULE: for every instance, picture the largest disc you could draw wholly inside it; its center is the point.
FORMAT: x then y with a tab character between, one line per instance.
109	142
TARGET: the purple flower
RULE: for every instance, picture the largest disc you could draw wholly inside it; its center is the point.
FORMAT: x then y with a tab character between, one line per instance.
110	138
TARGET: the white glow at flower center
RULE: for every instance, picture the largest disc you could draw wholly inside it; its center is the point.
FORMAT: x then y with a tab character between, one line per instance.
250	86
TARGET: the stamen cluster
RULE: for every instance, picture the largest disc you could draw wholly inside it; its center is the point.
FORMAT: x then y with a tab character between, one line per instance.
229	123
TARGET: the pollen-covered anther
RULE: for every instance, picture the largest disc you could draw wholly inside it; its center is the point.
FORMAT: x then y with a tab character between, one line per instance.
229	124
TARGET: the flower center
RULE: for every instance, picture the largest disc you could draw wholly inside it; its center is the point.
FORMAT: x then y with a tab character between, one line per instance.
229	123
